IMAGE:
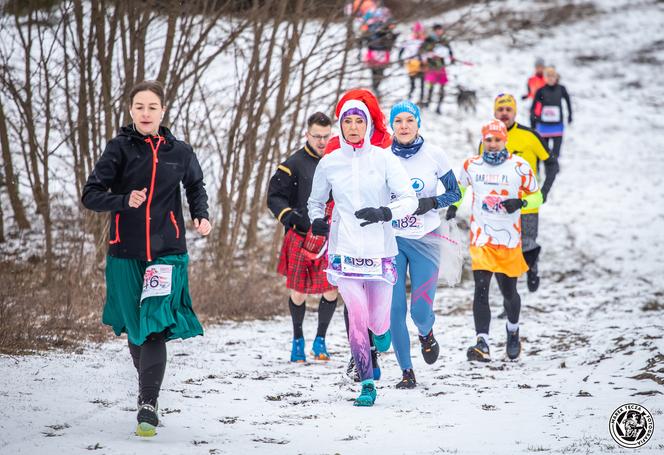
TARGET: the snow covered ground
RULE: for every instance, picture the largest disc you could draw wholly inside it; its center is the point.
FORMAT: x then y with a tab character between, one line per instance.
593	335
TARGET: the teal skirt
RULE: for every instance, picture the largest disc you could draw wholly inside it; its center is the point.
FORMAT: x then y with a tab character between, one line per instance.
140	303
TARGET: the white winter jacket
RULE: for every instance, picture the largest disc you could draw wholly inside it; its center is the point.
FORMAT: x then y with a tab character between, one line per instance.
361	177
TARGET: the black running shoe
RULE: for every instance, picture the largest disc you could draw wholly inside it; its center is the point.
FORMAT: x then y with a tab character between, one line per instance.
513	345
479	352
147	419
408	381
351	371
374	363
430	348
533	280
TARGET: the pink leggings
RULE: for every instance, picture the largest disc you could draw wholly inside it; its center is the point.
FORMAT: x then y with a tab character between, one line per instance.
368	304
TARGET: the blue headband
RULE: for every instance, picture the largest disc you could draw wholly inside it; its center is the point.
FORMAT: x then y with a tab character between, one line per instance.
405	106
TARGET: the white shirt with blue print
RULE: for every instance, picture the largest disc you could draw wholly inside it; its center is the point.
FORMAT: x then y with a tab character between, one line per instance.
426	169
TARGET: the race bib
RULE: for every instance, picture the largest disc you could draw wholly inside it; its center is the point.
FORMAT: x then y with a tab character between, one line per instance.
364	266
551	114
157	280
411	223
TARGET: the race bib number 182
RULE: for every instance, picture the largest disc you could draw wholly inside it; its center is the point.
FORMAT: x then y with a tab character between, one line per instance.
409	223
157	281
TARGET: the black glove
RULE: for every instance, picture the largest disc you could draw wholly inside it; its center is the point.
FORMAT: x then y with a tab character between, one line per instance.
425	204
295	219
512	205
451	212
545	193
373	215
569	119
320	227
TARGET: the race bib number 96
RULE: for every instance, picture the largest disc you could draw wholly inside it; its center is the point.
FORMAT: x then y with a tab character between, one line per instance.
157	281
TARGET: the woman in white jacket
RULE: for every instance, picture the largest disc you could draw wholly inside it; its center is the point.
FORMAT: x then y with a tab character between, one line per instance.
362	246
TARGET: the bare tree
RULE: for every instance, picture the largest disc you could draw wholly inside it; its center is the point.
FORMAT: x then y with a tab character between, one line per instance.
66	70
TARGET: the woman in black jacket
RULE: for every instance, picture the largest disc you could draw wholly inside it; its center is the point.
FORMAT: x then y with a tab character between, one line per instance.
547	111
138	179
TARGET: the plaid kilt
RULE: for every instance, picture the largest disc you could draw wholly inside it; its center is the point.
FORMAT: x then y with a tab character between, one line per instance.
302	275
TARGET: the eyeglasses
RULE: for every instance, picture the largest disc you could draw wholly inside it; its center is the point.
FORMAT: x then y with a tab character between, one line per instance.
318	137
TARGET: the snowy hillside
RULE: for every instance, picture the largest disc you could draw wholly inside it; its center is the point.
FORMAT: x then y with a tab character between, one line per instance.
593	335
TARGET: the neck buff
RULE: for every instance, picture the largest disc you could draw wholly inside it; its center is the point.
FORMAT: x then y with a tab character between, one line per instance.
407	150
495	158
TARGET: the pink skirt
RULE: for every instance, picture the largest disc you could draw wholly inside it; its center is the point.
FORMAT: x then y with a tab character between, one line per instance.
436	76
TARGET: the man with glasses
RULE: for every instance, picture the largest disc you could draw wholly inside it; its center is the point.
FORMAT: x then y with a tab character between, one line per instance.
302	260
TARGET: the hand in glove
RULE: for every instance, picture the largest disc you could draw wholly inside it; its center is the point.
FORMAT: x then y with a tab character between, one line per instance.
512	205
569	119
451	212
425	204
295	219
320	226
373	215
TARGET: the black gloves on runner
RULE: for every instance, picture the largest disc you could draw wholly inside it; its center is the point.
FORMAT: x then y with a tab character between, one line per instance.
425	204
451	212
320	227
295	219
374	215
512	205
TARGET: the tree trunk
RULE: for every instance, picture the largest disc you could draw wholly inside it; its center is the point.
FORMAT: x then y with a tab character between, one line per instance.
11	181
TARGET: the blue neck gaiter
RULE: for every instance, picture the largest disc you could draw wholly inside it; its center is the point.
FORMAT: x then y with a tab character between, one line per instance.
495	158
407	150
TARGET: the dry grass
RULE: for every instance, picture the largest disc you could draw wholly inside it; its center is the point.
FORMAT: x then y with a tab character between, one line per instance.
65	311
37	314
244	292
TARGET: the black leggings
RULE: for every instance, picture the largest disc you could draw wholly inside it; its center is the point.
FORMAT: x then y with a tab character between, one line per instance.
413	79
377	76
554	144
150	362
441	96
481	309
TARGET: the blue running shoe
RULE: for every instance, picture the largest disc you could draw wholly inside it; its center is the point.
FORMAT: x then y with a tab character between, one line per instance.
297	351
382	342
319	350
368	395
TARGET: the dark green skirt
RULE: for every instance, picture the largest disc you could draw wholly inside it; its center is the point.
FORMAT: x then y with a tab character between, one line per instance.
172	312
